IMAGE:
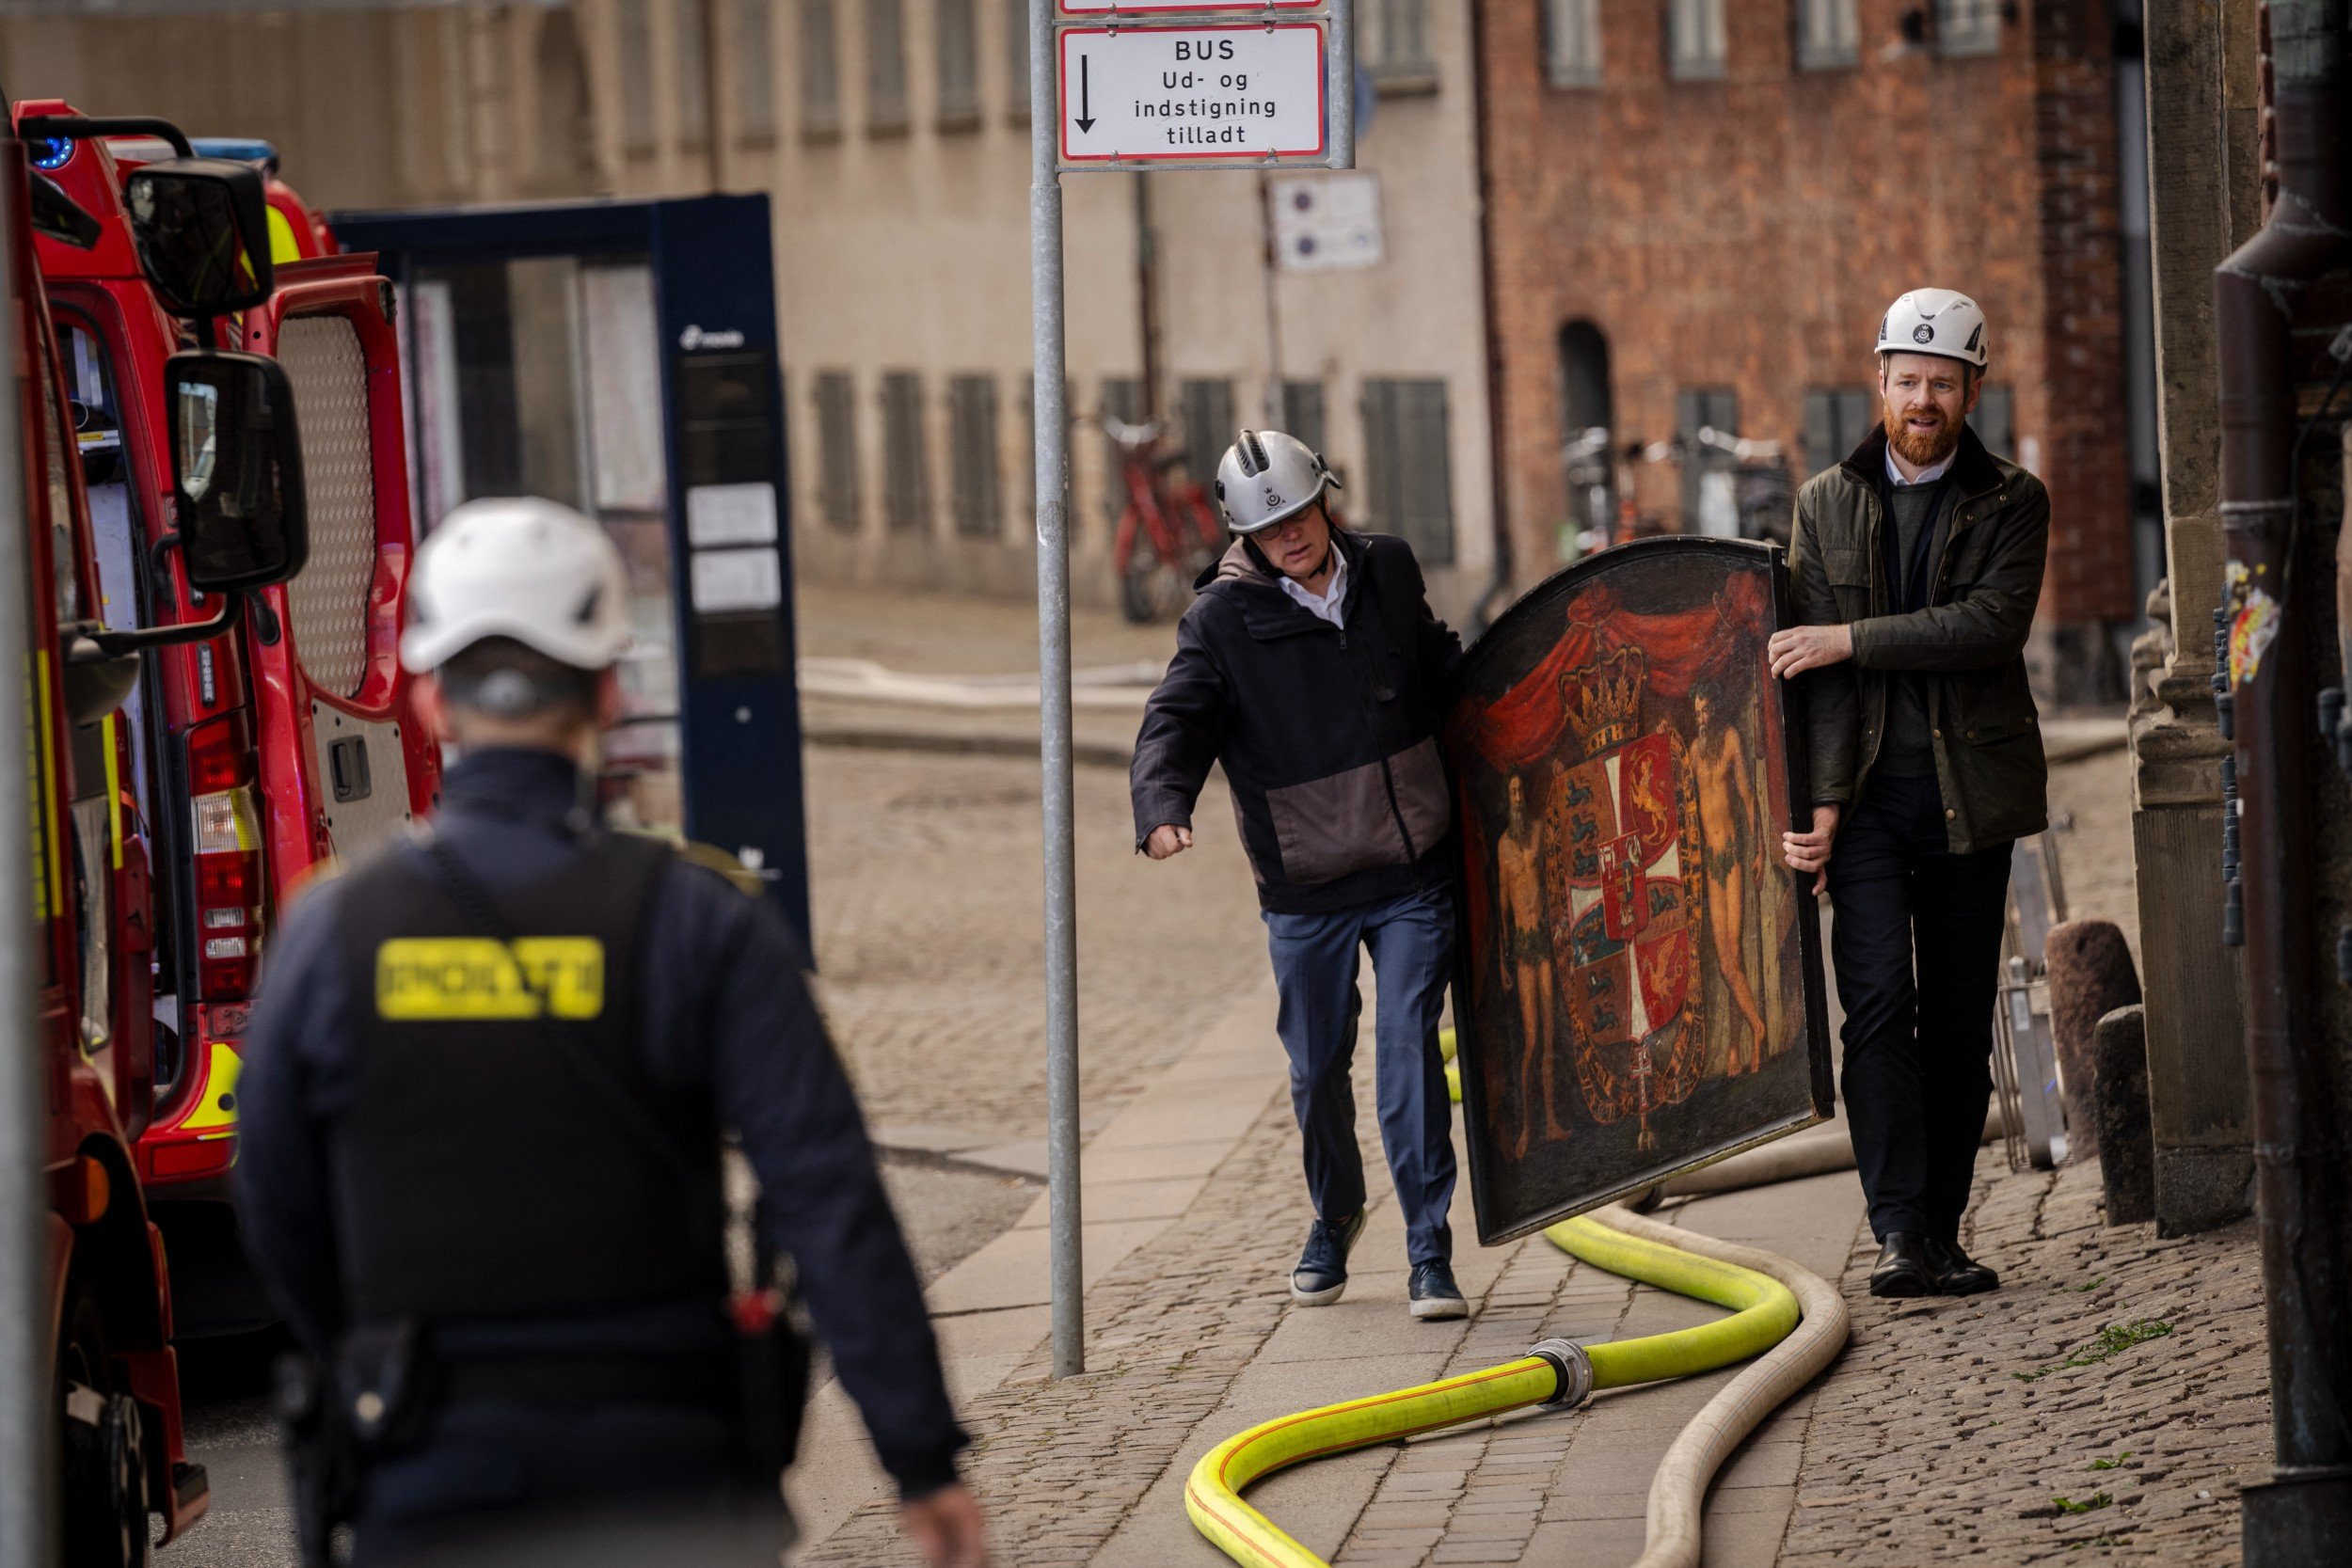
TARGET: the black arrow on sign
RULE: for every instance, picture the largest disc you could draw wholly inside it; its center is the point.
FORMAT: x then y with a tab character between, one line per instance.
1086	115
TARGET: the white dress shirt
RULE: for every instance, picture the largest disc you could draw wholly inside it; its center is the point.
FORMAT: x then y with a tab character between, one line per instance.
1926	476
1334	594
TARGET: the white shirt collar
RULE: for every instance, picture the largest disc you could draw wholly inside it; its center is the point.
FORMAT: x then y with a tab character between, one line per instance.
1334	594
1926	476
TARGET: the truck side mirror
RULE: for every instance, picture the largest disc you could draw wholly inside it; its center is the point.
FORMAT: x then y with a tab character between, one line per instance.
236	460
201	230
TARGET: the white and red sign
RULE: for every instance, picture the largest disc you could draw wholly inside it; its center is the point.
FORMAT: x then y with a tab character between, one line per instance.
1228	93
1108	9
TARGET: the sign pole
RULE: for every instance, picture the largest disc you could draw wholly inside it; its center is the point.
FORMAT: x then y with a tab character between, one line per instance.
1053	641
28	1478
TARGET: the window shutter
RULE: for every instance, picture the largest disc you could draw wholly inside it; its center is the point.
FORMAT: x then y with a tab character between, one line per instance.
836	457
820	70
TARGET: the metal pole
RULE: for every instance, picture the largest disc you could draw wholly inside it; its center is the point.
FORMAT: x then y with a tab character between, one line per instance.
1275	417
1053	643
27	1480
1340	83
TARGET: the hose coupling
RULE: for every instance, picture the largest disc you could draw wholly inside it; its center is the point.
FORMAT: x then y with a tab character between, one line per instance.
1574	1368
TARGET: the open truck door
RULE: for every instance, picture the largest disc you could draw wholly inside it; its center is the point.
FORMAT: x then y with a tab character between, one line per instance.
344	764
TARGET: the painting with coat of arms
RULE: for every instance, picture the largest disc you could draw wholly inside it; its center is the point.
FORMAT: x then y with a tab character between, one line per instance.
1639	984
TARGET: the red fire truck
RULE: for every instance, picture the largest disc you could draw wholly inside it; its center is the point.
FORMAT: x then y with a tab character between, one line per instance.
256	759
240	527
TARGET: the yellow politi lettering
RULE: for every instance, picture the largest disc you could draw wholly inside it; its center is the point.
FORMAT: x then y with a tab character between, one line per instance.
429	979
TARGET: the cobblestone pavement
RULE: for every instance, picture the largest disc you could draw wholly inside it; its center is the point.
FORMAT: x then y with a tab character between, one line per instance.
2024	1425
930	945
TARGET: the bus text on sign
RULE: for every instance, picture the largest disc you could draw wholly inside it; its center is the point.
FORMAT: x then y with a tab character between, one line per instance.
1234	93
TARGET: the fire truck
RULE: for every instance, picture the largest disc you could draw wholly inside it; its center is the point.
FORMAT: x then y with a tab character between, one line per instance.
258	758
241	526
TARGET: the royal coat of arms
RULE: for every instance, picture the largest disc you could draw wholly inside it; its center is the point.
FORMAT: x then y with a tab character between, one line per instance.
1624	844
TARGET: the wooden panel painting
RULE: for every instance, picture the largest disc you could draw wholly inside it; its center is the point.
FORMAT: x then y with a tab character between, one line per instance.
1639	988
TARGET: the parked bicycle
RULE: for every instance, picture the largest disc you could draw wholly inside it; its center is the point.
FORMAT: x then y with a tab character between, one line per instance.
1169	530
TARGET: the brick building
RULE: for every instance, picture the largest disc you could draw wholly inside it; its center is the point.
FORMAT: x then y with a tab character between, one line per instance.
1697	211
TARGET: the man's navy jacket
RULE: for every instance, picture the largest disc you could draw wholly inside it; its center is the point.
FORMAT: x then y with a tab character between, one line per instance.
725	1009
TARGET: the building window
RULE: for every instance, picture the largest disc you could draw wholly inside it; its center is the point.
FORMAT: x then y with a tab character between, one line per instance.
1996	422
1572	42
956	32
1121	402
754	69
837	450
906	473
1208	412
1836	420
1828	34
1302	413
1710	488
1969	26
978	497
820	70
637	130
693	71
1395	44
1408	471
1017	59
1694	30
886	66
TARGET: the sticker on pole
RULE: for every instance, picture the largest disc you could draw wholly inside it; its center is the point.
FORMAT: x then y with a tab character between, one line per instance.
1233	94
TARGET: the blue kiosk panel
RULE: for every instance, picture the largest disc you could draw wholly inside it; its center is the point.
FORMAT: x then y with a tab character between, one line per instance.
622	356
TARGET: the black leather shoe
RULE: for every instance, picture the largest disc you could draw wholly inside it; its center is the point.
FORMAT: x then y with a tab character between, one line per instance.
1902	1268
1322	1272
1956	1273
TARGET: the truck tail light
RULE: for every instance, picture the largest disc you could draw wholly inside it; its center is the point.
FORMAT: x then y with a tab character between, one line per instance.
228	843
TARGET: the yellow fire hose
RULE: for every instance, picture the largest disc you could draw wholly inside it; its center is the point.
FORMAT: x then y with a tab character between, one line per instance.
1762	1290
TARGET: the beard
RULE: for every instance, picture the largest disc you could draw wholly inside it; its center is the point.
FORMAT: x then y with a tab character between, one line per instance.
1921	449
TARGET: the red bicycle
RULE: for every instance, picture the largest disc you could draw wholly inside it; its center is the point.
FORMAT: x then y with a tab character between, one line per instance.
1168	532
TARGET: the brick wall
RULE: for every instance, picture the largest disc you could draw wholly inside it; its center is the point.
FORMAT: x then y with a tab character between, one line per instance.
1748	233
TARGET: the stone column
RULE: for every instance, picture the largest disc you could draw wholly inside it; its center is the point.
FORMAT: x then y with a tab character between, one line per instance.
2204	199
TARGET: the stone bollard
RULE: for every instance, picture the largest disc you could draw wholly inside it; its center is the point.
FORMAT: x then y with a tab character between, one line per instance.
2127	1146
2090	976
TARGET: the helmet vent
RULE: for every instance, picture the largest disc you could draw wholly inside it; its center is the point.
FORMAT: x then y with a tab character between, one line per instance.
587	611
1254	460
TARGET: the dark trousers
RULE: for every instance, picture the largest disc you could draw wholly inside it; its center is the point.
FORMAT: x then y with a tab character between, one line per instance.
1917	949
1315	958
613	1487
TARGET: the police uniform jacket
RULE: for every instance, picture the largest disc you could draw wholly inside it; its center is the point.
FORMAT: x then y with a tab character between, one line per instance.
724	1013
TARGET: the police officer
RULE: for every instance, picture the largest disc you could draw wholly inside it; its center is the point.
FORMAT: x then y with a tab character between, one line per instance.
488	1193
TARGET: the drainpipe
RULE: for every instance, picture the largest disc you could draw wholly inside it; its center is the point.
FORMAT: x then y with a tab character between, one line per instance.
2304	1513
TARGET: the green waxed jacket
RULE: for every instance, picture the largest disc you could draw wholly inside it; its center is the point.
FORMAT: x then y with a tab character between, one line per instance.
1985	576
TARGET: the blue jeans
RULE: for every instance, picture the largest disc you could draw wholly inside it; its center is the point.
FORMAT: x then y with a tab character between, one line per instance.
1316	965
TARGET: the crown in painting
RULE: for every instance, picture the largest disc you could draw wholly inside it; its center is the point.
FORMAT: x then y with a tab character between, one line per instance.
1603	700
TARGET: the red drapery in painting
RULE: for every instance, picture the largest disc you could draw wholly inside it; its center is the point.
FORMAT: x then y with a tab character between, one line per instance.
1522	726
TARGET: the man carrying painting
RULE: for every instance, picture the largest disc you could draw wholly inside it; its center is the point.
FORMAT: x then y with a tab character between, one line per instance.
1310	668
1917	563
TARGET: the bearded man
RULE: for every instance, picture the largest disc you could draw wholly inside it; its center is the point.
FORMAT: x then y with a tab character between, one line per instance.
1917	563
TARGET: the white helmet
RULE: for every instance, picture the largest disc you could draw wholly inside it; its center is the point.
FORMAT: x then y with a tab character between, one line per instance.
1267	476
527	568
1935	320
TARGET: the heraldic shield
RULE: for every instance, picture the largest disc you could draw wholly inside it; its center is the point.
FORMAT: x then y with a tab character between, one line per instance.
1640	987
